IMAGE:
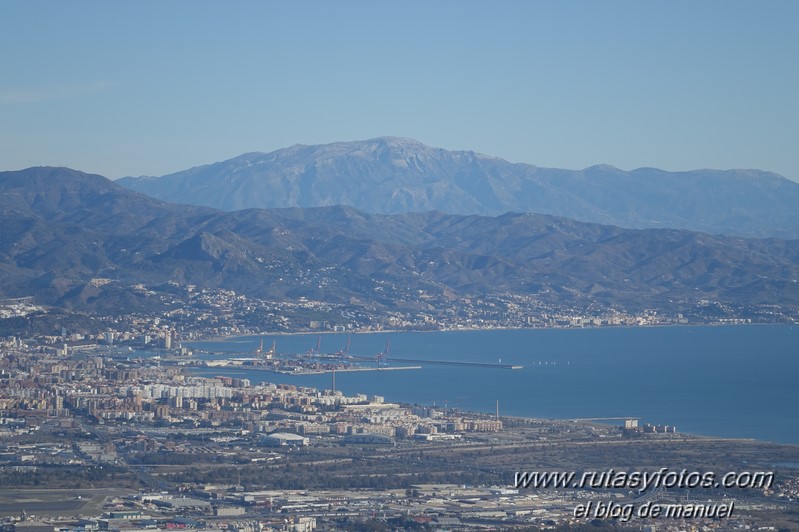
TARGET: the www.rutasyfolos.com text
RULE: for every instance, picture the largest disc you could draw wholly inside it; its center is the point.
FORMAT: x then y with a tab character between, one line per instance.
642	480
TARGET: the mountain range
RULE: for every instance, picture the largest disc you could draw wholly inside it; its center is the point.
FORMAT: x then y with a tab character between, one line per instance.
393	175
64	229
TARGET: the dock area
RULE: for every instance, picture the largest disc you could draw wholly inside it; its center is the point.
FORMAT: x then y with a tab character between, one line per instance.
450	363
306	370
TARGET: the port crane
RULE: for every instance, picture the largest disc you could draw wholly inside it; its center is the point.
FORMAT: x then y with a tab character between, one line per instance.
382	358
344	352
260	353
315	350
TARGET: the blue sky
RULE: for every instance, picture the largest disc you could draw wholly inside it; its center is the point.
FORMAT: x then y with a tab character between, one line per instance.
132	88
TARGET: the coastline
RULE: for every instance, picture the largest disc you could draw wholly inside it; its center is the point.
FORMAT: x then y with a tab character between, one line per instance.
679	436
649	361
485	329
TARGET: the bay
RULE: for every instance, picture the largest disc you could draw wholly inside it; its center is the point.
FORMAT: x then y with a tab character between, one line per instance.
726	381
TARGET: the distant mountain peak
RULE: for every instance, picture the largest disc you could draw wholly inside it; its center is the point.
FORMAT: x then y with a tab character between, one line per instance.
55	176
603	168
400	142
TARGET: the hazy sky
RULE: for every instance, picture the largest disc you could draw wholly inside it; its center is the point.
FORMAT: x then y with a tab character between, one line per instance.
131	88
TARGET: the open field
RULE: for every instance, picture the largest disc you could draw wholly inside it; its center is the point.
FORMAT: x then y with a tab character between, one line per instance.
55	502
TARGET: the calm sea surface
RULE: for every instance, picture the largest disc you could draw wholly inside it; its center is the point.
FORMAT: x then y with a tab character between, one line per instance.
737	381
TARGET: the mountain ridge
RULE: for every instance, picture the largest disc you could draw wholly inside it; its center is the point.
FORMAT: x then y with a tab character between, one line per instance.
98	229
392	175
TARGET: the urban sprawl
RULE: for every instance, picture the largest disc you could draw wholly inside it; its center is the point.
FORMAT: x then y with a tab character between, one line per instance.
114	429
